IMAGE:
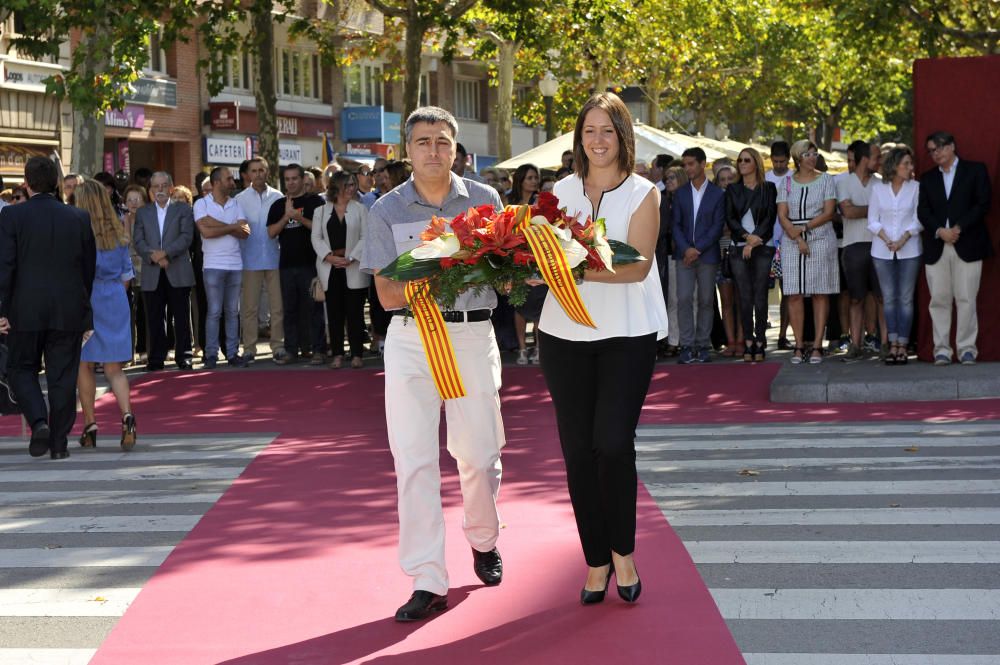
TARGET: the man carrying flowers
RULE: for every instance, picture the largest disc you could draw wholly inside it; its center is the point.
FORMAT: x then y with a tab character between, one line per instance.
416	359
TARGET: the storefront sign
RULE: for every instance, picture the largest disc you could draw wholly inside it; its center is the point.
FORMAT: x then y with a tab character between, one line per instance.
386	150
13	156
234	151
288	125
156	92
369	124
123	156
131	117
225	115
28	75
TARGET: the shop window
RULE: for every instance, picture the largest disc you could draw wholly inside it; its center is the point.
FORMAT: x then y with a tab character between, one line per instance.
363	85
467	99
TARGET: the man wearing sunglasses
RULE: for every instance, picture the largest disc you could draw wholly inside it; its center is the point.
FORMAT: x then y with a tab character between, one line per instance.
954	201
366	184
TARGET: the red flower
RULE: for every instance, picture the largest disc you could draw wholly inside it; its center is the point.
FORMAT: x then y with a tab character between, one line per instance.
523	258
547	206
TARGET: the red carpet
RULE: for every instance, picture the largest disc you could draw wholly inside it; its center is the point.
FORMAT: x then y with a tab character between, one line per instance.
297	562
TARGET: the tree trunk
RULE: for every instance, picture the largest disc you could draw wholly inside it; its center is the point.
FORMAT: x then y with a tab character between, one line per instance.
700	120
88	129
411	66
654	84
262	39
505	97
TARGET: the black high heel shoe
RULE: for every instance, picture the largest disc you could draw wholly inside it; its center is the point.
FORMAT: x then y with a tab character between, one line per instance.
630	593
588	597
89	437
128	431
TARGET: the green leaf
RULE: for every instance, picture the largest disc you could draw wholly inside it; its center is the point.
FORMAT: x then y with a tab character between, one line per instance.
624	253
405	268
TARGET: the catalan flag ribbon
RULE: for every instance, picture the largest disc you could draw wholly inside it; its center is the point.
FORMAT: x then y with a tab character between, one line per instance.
327	155
556	272
437	344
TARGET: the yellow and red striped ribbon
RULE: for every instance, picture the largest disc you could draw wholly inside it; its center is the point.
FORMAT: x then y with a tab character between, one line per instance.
556	272
437	344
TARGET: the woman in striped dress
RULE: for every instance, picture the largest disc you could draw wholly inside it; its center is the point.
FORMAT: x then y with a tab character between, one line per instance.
806	203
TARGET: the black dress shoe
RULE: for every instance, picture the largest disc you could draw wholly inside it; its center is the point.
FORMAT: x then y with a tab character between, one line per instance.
59	454
630	593
421	605
39	444
185	366
154	367
588	597
488	566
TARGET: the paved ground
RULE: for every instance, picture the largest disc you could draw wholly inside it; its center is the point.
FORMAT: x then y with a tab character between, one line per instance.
839	544
79	538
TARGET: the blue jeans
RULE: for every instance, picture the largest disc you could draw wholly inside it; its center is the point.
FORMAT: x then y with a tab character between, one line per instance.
897	278
222	293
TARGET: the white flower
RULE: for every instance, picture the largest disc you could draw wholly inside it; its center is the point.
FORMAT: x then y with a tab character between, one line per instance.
574	251
602	247
562	233
441	247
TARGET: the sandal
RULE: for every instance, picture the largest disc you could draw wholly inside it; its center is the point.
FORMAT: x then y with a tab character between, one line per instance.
749	352
337	363
902	357
357	362
128	431
797	355
758	353
89	437
816	356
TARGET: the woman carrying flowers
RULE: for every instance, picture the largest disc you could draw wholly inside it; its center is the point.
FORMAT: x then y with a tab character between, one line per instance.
598	376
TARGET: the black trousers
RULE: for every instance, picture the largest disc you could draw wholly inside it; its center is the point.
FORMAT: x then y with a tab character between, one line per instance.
598	389
345	305
297	305
61	350
178	300
751	284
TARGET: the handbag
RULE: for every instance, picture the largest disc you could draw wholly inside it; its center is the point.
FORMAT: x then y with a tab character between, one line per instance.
316	290
727	261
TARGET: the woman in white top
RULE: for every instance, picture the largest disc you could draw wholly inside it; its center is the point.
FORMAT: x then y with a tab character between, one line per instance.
896	250
598	377
337	236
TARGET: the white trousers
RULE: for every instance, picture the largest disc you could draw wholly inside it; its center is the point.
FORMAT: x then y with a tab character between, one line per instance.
953	280
474	434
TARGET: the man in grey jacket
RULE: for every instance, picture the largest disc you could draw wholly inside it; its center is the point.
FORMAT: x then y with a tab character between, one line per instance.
162	237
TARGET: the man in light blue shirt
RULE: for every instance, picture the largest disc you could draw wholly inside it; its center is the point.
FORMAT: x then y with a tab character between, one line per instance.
260	265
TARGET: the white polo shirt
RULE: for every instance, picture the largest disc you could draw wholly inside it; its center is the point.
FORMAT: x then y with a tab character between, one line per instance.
222	253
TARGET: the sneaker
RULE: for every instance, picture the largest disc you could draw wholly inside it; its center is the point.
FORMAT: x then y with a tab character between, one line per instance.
317	359
211	362
685	357
968	358
536	356
249	358
522	357
853	354
236	360
845	343
783	344
703	356
280	357
942	359
872	344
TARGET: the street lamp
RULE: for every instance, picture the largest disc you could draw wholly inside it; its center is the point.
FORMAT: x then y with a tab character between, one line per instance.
549	85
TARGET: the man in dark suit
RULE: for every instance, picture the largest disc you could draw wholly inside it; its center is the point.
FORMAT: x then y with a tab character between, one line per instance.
47	261
163	235
698	217
954	201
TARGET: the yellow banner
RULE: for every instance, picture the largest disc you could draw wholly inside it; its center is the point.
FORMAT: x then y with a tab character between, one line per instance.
557	273
437	344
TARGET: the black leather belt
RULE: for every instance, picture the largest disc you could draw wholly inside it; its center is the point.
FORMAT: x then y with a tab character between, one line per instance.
452	316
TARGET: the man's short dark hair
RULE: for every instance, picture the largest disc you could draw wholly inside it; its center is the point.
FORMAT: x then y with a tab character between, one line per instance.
780	149
244	167
216	174
563	171
941	138
294	167
143	174
661	161
460	149
695	152
860	150
41	175
567	152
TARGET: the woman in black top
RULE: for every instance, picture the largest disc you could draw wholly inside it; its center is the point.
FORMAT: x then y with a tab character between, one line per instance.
750	215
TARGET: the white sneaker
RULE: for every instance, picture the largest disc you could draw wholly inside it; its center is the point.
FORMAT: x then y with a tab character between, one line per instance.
522	357
536	356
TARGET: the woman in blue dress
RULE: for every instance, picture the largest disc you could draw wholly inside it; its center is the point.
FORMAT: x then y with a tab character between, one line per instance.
111	342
